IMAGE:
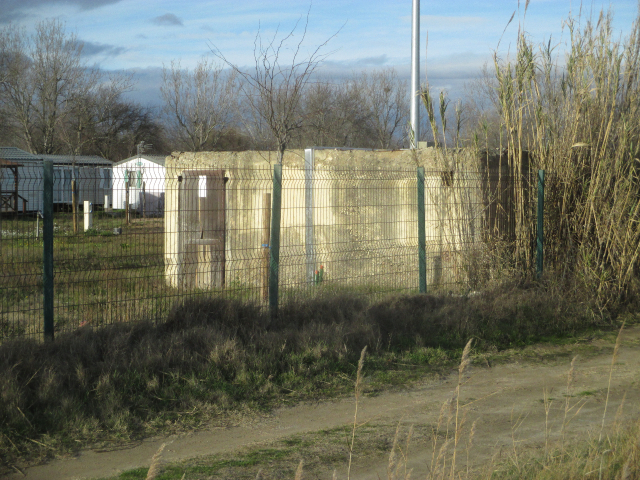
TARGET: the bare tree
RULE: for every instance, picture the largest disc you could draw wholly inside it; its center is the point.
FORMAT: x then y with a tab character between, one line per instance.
46	90
274	90
17	90
200	105
92	109
43	72
365	110
385	96
337	114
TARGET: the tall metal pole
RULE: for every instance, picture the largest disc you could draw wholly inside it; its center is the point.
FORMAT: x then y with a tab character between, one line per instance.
415	74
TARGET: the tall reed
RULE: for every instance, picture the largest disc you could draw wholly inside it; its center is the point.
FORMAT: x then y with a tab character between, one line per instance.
576	114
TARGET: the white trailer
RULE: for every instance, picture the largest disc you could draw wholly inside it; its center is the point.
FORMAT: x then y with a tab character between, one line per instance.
143	175
92	174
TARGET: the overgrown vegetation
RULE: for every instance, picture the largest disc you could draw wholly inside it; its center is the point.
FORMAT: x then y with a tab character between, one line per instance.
446	448
125	381
577	117
573	110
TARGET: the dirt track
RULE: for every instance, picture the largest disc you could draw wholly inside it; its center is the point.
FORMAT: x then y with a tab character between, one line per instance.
499	397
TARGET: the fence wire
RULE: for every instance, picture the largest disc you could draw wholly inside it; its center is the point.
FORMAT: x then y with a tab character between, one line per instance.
144	240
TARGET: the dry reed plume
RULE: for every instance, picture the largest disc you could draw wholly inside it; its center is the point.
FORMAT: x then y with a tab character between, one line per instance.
156	464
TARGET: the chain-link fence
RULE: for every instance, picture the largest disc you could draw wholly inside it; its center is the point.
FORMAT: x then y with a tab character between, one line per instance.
128	244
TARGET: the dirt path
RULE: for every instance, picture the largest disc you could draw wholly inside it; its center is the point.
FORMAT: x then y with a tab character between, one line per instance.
501	397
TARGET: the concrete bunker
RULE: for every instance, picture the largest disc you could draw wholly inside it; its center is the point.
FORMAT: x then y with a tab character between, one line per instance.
352	211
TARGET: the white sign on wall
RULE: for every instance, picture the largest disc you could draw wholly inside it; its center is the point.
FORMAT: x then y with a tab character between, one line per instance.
202	186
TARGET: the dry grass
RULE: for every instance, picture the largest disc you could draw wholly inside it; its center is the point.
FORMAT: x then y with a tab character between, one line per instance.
156	464
124	382
358	394
614	454
615	457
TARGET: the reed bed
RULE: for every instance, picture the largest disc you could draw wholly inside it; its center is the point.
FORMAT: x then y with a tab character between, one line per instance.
571	108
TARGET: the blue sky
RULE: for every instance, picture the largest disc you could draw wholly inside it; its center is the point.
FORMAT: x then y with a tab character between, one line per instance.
142	35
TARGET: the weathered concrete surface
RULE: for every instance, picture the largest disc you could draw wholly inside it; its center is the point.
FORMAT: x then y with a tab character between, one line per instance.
364	215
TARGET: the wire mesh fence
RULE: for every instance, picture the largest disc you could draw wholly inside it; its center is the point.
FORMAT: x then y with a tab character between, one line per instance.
129	244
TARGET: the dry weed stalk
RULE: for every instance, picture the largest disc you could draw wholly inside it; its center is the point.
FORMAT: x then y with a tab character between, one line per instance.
397	465
568	407
454	415
515	426
391	466
435	460
438	469
470	442
567	396
619	411
547	408
614	359
299	471
465	361
358	392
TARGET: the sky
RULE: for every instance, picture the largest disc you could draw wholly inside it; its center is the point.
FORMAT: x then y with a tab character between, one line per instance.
140	36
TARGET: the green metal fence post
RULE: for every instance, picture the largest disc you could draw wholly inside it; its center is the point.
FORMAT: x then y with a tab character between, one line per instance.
47	252
540	242
274	261
422	248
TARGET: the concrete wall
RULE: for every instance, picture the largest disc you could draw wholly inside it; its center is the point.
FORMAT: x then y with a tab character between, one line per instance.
364	215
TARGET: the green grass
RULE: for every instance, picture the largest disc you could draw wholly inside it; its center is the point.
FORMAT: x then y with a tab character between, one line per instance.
321	451
99	277
214	466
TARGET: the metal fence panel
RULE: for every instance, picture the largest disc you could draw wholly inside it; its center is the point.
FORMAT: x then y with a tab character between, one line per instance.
155	241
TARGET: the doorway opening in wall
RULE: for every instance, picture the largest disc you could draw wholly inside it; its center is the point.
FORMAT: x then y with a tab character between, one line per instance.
202	199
